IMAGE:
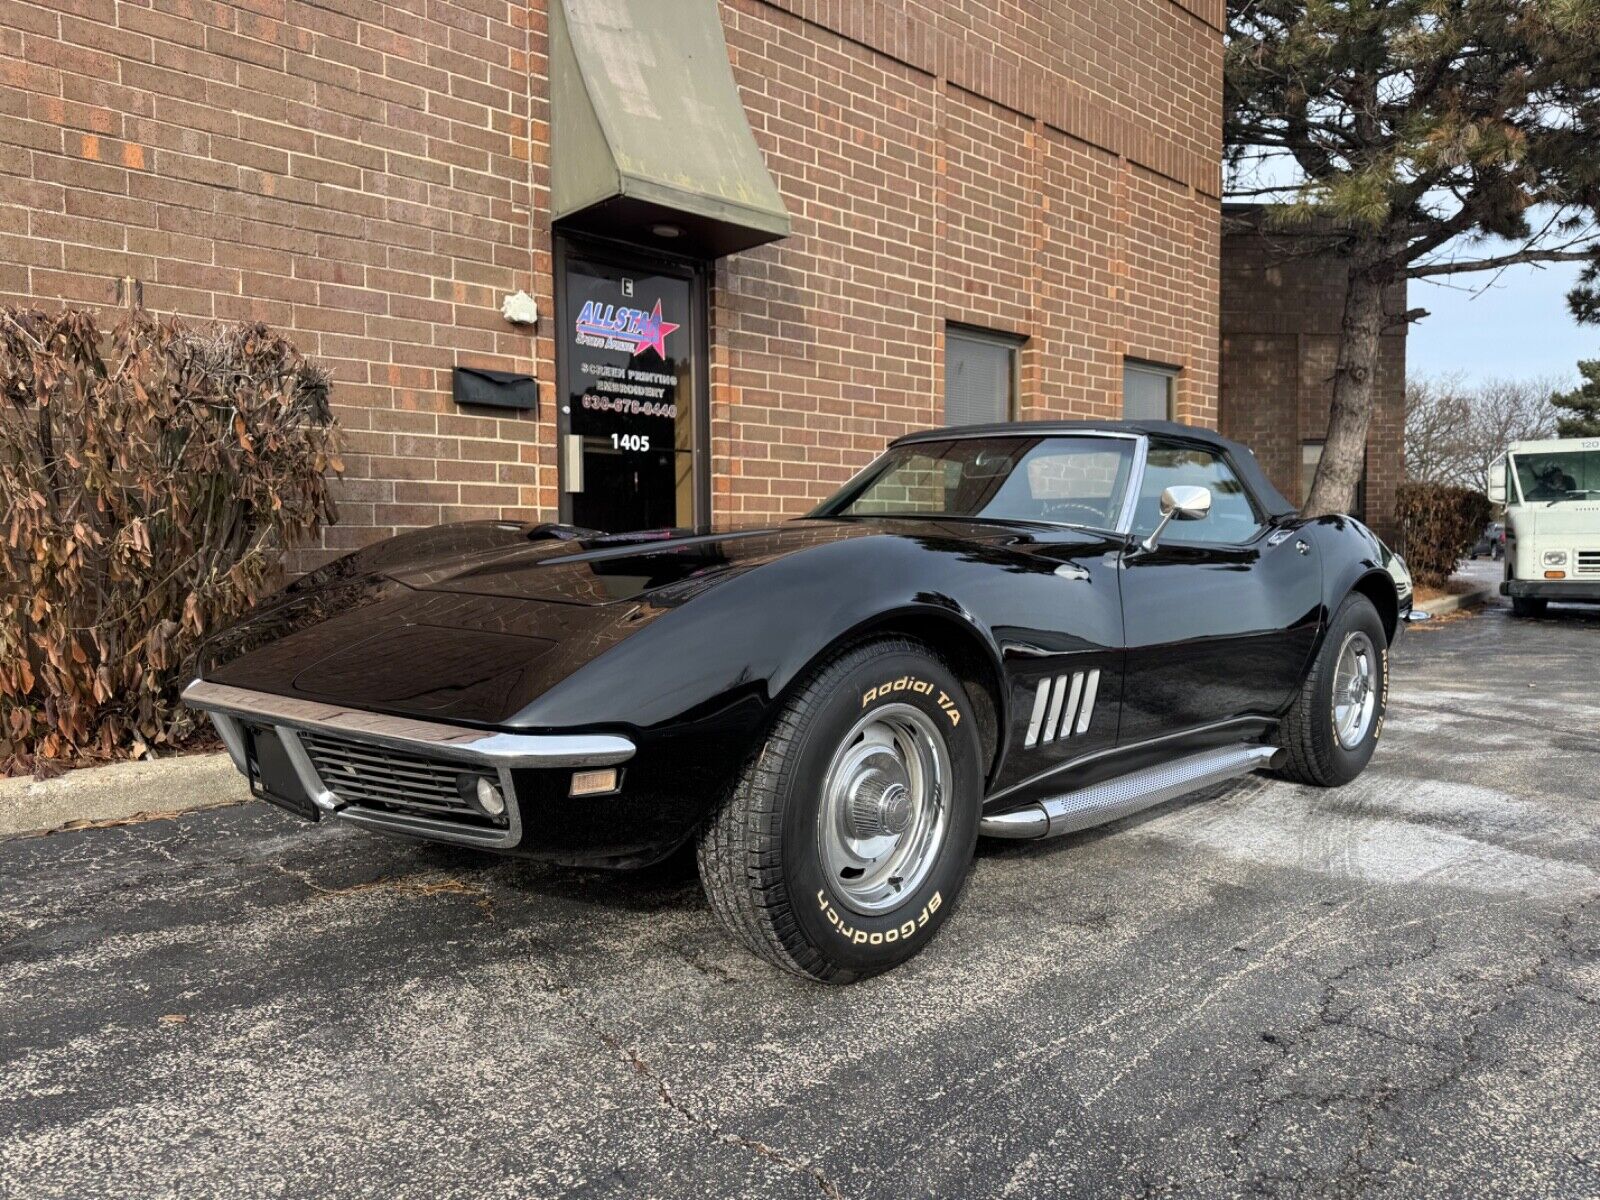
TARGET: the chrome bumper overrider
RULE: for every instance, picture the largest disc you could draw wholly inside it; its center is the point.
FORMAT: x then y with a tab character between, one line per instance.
487	750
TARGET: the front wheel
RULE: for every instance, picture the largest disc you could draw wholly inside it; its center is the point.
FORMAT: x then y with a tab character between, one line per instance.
1333	726
846	839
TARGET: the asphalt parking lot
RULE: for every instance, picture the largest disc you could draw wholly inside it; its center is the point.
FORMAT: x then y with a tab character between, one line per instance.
1387	990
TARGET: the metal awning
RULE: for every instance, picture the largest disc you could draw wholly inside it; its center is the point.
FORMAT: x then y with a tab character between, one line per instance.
647	129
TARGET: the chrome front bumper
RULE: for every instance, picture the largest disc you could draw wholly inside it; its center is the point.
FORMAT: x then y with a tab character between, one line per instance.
487	751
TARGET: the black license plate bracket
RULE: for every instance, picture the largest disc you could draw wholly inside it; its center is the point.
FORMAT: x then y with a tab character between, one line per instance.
272	774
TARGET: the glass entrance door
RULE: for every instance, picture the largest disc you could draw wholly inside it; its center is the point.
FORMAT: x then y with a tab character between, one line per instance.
631	373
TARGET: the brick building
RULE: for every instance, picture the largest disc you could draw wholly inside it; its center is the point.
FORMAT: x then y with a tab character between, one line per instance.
951	209
1282	304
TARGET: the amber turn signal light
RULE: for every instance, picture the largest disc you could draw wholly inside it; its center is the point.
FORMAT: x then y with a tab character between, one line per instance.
593	783
1555	574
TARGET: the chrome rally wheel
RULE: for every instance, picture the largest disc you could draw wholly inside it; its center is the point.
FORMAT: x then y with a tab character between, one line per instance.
1332	728
882	821
1355	689
841	848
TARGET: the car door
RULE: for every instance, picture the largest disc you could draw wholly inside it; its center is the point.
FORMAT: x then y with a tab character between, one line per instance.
1221	615
1058	616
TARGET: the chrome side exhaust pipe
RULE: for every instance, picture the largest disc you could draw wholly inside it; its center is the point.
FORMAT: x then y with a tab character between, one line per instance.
1102	803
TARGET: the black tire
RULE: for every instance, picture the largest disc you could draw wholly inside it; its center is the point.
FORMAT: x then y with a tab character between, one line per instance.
1528	606
761	854
1307	733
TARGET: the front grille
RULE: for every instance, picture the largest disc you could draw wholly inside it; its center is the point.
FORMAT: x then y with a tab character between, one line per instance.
1588	562
377	777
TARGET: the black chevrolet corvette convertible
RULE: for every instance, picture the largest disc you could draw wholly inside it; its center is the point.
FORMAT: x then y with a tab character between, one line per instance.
1015	630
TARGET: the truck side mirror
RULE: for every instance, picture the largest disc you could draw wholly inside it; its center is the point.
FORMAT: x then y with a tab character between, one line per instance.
1497	480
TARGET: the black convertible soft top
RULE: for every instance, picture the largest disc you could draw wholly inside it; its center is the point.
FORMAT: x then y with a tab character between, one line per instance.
1241	457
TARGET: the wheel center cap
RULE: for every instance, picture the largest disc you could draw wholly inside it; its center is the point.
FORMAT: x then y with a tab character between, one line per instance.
880	807
894	809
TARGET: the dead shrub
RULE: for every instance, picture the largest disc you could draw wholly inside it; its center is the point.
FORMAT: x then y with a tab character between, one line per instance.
150	480
1439	523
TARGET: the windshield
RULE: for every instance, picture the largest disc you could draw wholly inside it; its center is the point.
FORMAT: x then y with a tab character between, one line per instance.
1558	475
1052	480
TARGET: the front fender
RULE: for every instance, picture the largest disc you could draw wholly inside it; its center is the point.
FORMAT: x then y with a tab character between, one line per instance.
1352	559
729	653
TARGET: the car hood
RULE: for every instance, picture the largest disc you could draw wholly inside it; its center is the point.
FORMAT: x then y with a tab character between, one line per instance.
664	565
610	569
472	622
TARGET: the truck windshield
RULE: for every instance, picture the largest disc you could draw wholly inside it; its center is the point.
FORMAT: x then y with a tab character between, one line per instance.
1562	475
1055	480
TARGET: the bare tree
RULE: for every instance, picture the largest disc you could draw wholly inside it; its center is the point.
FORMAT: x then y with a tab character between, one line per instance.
1506	411
1437	412
1455	431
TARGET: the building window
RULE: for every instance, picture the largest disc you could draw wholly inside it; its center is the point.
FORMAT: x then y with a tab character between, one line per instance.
980	376
1149	392
1310	459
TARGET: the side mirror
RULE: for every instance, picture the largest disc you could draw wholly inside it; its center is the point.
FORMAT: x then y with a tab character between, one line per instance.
1497	481
1180	502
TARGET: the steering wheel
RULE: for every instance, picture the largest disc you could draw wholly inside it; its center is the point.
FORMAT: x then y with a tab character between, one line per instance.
1059	510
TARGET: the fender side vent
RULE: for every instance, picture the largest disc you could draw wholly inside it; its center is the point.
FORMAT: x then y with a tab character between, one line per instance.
1062	707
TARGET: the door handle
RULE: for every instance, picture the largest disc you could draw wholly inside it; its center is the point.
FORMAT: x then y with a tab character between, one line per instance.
1073	572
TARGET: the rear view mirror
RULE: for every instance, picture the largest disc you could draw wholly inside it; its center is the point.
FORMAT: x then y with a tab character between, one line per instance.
987	465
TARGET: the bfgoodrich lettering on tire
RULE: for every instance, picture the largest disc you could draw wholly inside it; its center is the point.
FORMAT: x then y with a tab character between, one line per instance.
844	843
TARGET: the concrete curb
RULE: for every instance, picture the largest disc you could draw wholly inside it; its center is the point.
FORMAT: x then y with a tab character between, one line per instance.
119	793
1450	604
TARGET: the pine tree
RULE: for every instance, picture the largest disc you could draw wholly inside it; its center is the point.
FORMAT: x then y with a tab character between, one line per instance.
1583	403
1415	130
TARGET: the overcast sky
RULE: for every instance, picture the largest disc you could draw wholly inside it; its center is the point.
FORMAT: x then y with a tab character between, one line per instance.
1515	328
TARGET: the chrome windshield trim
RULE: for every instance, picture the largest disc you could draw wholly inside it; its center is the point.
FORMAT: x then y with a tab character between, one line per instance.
1130	498
957	434
404	733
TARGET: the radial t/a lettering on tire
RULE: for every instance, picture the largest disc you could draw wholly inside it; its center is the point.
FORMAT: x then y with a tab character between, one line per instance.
847	837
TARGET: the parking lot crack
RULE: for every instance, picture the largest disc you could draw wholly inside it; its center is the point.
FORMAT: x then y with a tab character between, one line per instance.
669	1100
447	886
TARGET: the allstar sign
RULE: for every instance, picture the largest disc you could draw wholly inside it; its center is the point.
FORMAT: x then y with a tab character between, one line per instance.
618	328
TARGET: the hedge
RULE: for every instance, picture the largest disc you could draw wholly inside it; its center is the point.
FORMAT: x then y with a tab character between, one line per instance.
1439	523
150	479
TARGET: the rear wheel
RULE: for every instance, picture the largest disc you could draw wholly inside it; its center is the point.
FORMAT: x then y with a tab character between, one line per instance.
842	846
1331	730
1527	606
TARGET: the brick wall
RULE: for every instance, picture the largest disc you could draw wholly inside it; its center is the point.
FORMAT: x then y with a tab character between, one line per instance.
372	178
1282	303
1022	169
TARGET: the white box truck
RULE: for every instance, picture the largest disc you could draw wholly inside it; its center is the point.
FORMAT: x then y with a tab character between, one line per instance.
1551	492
